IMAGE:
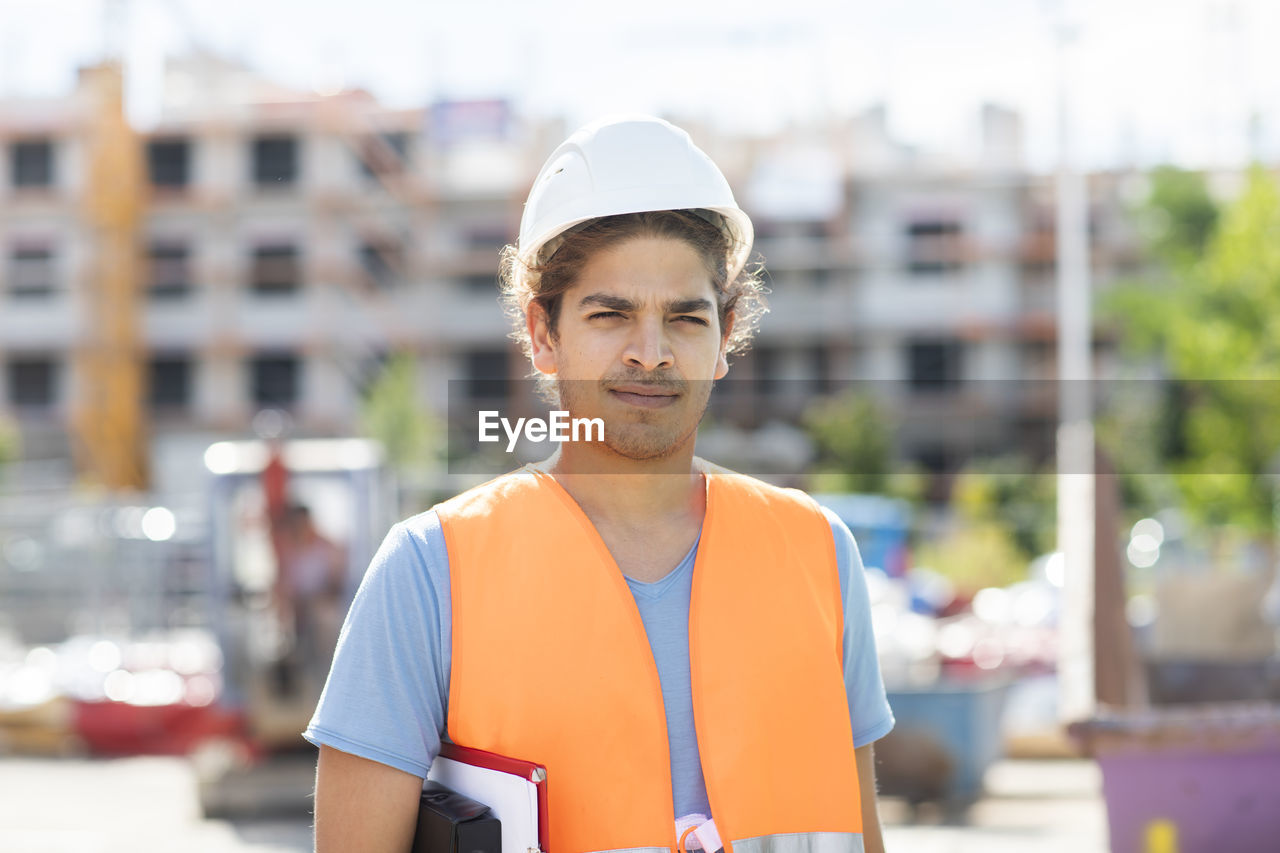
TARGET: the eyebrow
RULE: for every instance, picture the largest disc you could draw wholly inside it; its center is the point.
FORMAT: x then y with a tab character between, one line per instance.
621	303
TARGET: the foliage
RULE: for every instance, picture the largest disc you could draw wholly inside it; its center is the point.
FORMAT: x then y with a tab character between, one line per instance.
974	555
10	440
1009	491
1005	511
1004	516
1142	430
855	448
391	415
1179	216
1213	318
1177	219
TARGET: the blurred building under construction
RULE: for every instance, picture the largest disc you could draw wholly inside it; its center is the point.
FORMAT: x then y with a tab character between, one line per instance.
287	242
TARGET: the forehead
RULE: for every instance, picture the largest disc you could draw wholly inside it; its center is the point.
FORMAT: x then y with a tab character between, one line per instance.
641	267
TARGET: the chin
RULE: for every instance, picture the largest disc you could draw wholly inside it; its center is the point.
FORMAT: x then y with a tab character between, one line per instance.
642	443
642	451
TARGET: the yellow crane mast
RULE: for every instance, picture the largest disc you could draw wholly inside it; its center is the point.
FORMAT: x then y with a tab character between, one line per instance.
107	422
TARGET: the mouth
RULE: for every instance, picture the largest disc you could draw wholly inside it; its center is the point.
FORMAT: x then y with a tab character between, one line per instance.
644	396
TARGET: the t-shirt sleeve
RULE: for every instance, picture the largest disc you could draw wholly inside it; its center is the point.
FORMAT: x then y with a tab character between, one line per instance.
869	710
387	690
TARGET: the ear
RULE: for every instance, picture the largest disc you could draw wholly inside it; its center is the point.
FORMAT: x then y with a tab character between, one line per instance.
542	346
722	360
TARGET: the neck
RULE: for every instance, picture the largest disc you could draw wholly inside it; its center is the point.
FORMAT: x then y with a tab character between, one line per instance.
629	491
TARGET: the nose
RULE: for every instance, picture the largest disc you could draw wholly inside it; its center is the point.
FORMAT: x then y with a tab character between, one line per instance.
648	347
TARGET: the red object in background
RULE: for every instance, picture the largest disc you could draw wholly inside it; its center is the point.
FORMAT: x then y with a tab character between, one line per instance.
120	728
275	490
899	561
962	603
275	481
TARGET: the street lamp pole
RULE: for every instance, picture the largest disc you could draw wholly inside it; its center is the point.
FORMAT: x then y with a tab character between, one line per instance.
1075	481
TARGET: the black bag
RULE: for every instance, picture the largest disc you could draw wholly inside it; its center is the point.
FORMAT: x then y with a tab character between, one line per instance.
451	823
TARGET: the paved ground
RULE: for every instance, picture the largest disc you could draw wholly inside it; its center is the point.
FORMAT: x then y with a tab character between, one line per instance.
1040	806
147	805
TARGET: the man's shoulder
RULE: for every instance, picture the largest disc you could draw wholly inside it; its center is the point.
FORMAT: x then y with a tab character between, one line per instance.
756	489
490	496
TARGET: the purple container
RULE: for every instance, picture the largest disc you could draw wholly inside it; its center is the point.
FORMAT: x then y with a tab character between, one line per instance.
1212	771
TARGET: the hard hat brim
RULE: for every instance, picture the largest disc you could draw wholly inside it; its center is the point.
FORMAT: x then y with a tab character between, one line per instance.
732	221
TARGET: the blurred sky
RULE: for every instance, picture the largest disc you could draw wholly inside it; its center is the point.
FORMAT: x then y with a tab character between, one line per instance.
1154	80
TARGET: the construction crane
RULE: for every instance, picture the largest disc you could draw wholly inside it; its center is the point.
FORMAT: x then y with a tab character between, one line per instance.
108	423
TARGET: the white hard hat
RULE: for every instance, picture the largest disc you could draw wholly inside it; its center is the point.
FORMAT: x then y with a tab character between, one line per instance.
630	164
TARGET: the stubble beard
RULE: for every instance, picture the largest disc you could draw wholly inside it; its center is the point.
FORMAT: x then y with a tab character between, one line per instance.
638	434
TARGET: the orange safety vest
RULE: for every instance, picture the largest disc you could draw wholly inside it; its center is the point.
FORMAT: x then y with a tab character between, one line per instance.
551	664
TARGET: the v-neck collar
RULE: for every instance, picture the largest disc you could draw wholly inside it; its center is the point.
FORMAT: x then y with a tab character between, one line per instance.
653	590
573	508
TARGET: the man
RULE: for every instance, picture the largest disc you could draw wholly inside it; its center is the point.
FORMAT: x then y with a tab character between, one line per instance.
307	591
686	650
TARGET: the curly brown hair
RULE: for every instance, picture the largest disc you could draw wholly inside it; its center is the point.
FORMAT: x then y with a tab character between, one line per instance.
544	282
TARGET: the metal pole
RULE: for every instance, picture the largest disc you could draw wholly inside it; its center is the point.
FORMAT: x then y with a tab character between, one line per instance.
1075	425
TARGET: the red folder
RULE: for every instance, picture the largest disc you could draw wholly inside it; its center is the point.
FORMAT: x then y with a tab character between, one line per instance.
515	791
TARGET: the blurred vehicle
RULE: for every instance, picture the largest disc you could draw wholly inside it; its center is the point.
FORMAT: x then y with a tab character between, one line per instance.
247	668
274	673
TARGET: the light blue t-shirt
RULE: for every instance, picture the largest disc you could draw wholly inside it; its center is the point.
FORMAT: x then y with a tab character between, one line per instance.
387	693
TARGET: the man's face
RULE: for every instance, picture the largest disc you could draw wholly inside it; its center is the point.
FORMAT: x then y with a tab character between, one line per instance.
638	344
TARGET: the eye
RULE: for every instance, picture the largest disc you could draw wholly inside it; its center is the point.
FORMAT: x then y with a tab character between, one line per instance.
697	321
603	315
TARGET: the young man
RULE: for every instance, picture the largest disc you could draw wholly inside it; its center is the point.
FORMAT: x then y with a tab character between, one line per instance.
683	648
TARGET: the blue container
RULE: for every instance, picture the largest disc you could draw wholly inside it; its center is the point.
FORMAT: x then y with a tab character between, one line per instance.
880	526
959	719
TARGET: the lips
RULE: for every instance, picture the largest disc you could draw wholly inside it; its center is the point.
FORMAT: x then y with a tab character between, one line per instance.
644	396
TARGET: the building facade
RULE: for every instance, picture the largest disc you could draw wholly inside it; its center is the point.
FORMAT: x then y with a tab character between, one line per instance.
291	242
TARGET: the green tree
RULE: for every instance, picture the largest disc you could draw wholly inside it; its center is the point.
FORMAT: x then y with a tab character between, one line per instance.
1177	219
391	415
10	440
1143	431
1008	491
1179	216
1003	515
855	448
1213	318
974	555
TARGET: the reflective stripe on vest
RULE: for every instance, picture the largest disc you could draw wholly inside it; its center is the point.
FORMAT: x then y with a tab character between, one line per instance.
802	842
790	842
551	664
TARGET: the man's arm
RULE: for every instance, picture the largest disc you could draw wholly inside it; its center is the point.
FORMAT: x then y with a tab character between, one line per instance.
363	805
872	839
